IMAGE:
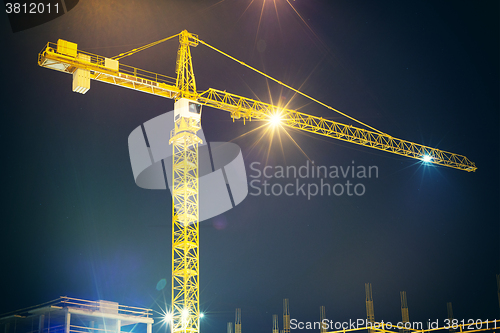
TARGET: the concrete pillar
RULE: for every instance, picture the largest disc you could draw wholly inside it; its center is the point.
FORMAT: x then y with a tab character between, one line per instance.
67	321
6	328
149	330
41	322
118	325
92	326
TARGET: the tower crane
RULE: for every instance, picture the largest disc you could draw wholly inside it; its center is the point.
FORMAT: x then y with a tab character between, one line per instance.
65	56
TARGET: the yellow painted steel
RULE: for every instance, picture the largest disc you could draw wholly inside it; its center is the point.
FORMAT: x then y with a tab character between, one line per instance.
275	324
185	228
185	205
405	316
142	48
370	314
237	321
286	316
249	109
242	107
127	76
184	67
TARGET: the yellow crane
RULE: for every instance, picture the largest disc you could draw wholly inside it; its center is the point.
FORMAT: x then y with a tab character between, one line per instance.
65	56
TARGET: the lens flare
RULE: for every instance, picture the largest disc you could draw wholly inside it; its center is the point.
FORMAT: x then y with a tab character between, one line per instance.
275	119
185	314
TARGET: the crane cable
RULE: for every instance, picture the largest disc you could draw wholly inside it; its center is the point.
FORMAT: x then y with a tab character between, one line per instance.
287	86
133	51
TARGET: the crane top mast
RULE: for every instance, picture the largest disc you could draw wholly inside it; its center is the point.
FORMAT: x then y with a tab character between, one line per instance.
184	67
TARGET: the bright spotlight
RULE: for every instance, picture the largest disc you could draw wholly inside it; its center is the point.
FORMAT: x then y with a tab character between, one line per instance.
168	317
275	119
426	158
185	314
202	315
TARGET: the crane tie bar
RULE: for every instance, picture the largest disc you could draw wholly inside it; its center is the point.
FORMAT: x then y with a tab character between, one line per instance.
133	51
289	87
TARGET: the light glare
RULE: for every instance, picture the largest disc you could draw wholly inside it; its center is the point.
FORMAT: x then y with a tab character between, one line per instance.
275	119
202	315
426	158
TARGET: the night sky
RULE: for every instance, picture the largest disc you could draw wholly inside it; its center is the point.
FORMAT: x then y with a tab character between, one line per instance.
74	223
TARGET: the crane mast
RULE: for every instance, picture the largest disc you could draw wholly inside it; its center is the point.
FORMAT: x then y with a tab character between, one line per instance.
65	57
185	206
185	228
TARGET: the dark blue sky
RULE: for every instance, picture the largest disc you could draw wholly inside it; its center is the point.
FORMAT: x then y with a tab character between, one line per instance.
74	222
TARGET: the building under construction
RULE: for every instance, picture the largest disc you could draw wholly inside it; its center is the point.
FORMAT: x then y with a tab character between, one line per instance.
66	314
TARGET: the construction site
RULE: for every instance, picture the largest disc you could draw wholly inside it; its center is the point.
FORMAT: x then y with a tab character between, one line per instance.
65	315
312	236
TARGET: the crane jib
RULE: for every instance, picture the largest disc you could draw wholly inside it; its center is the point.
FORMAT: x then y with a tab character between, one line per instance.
65	56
